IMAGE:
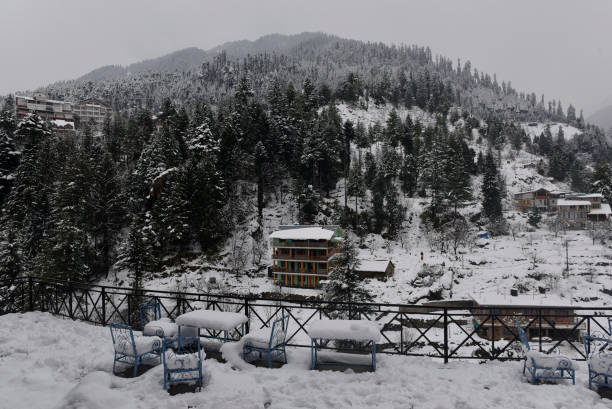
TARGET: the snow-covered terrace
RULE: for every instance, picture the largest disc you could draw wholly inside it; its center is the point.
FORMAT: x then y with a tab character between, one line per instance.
48	362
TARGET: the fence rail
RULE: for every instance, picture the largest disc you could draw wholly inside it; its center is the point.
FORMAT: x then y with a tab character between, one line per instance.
444	332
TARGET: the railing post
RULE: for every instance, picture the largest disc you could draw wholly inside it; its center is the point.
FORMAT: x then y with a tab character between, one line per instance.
129	311
445	335
103	297
492	334
540	329
31	293
246	312
70	310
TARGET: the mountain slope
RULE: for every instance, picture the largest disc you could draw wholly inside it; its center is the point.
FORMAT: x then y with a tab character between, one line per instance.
602	118
182	60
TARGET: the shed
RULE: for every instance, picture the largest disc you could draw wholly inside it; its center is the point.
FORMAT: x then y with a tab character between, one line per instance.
379	269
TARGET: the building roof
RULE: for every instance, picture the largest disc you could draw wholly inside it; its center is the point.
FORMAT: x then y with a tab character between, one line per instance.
605	209
521	300
565	202
591	195
304	233
378	266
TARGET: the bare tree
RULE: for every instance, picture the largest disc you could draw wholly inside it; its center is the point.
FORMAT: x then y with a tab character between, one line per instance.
456	233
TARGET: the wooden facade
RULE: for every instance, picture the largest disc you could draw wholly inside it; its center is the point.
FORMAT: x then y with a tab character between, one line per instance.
301	255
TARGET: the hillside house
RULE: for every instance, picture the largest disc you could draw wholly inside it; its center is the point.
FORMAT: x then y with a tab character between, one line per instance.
574	211
379	269
558	318
535	199
302	254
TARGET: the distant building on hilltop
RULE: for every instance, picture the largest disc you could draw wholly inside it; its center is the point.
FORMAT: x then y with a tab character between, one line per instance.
92	109
576	208
302	254
47	109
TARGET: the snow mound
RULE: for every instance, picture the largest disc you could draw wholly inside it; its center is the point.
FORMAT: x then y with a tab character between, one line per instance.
537	128
380	113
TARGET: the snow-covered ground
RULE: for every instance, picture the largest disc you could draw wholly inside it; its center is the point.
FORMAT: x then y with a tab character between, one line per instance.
48	362
537	128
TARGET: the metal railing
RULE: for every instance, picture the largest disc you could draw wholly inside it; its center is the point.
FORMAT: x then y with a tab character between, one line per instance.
444	332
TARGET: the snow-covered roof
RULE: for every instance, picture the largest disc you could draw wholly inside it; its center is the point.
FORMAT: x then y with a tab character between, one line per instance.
591	195
379	266
521	300
304	233
565	202
62	123
605	209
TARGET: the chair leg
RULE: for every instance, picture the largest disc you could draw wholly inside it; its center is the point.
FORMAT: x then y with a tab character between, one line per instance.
524	366
533	376
136	367
284	354
114	363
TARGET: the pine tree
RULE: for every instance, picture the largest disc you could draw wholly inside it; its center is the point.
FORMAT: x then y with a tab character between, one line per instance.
534	218
491	194
601	181
344	284
9	160
394	213
308	205
31	130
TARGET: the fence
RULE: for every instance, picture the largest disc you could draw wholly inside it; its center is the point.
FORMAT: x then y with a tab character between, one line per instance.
444	332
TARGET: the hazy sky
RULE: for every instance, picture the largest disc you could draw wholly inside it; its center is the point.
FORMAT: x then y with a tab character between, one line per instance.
557	47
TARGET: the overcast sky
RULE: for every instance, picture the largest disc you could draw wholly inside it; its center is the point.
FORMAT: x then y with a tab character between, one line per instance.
557	47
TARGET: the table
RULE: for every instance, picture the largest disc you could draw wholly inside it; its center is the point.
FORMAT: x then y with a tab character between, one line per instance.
347	330
211	320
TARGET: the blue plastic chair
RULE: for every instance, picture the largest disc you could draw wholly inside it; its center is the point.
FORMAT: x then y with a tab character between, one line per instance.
149	311
599	360
152	323
544	366
185	367
267	344
131	350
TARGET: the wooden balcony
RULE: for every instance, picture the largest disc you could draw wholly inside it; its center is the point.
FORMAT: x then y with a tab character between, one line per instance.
304	257
303	244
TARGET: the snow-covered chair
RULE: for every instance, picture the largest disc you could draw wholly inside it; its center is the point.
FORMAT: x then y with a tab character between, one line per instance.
152	323
133	350
545	366
183	367
267	343
599	358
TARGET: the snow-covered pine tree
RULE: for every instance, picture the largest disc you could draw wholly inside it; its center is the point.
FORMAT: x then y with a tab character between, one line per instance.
344	284
31	130
9	160
491	193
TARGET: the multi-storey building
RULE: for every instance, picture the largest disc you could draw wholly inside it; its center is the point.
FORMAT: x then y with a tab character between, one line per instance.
574	211
302	254
47	109
577	208
92	109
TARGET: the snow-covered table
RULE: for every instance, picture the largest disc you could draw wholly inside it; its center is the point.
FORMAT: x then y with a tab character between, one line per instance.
345	330
213	321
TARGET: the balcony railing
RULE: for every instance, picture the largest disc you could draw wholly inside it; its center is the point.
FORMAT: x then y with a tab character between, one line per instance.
304	244
305	257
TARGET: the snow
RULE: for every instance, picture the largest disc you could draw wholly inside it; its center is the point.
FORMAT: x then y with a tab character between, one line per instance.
163	327
143	344
216	320
48	362
182	361
303	233
601	362
353	330
548	361
537	128
373	265
62	123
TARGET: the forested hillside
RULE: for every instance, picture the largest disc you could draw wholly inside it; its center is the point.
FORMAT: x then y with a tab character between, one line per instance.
194	156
